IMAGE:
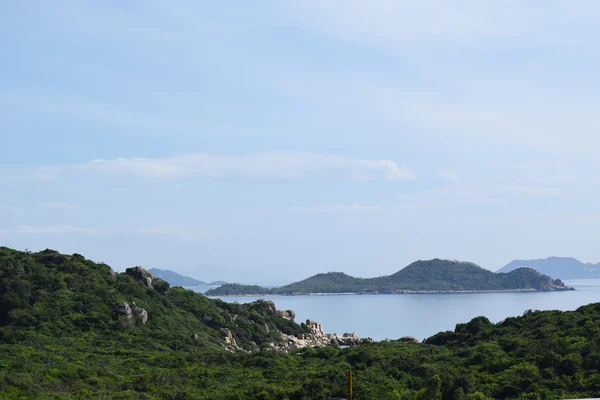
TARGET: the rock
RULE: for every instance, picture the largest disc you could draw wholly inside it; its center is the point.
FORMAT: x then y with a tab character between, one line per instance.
229	339
140	315
132	312
195	336
315	327
287	314
112	273
140	274
268	303
408	339
124	310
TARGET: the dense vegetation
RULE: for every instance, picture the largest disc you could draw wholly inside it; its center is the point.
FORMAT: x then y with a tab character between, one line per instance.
557	267
420	276
176	279
61	338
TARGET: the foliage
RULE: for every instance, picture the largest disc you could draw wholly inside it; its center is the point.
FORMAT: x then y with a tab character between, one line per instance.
421	276
61	338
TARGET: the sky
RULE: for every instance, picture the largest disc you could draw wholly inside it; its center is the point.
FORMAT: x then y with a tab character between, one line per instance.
266	141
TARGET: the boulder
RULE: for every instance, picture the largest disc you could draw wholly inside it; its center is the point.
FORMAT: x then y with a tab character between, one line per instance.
270	305
409	339
315	327
229	339
132	312
140	274
140	315
195	336
124	310
286	314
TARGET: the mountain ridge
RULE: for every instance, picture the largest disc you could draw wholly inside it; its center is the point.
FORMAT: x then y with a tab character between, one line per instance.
557	267
177	279
430	276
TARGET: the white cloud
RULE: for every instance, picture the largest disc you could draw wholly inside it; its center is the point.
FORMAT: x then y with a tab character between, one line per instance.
450	174
337	208
393	24
530	191
269	165
59	206
173	231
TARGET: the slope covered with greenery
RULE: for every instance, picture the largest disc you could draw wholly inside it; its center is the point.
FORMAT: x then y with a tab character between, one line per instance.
421	276
61	338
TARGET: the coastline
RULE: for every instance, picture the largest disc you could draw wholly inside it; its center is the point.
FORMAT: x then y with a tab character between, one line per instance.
400	292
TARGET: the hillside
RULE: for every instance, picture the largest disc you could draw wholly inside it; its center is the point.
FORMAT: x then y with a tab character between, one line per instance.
557	267
66	333
421	276
55	294
176	279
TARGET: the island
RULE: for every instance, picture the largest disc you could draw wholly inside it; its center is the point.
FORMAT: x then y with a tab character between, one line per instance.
430	276
558	267
176	279
74	328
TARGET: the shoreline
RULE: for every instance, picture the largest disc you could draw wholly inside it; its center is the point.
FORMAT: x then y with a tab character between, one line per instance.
567	289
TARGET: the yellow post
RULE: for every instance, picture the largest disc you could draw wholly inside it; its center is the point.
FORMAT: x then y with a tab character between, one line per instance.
350	385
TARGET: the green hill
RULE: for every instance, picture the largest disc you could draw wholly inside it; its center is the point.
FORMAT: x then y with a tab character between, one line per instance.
421	276
66	333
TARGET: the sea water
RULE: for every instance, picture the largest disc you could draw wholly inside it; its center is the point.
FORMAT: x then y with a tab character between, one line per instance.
422	315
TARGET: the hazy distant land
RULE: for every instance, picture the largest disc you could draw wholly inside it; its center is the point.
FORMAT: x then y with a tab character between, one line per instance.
557	267
176	279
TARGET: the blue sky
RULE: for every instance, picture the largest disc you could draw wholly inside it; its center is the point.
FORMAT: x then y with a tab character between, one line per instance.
268	141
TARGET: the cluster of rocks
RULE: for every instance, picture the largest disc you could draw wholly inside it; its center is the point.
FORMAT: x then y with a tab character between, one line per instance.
285	314
408	339
141	274
133	313
317	337
230	342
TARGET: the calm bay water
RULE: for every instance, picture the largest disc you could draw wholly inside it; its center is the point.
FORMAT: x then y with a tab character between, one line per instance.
422	315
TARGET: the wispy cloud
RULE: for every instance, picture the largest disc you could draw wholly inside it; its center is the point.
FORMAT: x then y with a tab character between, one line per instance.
337	208
393	25
82	108
270	165
59	206
173	231
450	174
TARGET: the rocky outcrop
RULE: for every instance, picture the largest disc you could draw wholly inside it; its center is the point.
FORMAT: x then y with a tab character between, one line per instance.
140	315
140	274
124	310
316	337
286	314
408	339
133	313
230	342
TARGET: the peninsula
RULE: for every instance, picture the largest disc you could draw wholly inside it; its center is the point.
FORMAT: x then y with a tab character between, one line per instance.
432	276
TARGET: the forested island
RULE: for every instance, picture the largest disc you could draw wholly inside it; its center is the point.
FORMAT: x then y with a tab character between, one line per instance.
73	328
419	277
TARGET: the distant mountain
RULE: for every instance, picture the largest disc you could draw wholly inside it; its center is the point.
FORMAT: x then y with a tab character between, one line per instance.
419	277
176	279
558	267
